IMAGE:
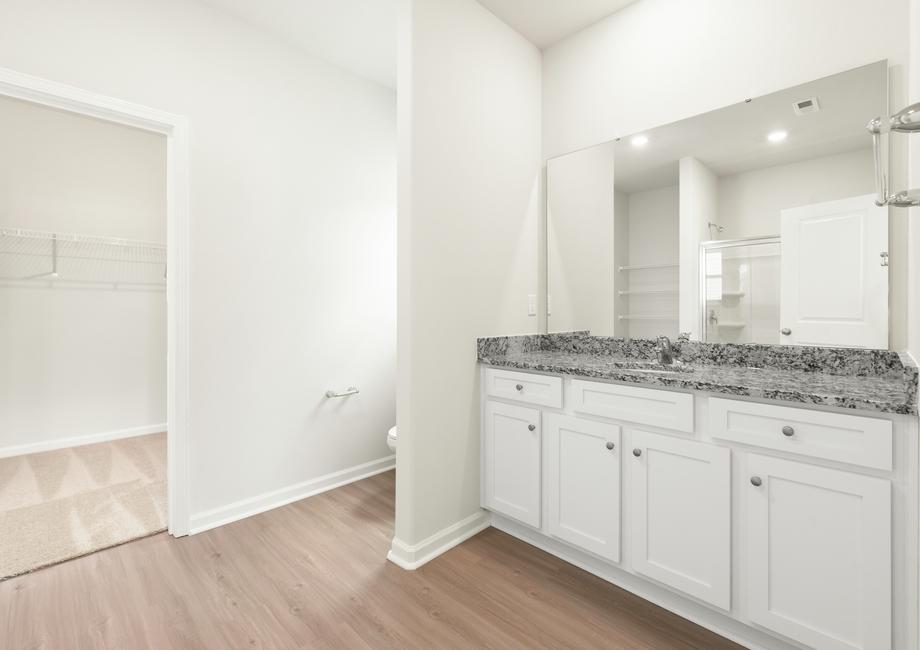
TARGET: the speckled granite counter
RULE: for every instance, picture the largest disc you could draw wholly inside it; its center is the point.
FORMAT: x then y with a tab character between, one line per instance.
872	380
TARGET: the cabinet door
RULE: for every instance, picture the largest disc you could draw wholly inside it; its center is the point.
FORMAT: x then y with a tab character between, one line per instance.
819	554
582	483
681	505
511	461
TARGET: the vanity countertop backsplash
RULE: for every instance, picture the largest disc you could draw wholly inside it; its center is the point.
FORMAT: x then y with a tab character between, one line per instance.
873	380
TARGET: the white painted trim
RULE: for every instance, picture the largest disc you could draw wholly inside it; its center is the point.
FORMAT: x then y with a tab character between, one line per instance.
79	441
694	612
412	556
175	128
231	512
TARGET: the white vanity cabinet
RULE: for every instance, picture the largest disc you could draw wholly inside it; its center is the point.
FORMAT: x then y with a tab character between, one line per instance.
582	478
681	509
780	526
818	553
511	461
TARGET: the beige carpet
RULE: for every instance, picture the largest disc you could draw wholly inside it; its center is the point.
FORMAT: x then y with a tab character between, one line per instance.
62	504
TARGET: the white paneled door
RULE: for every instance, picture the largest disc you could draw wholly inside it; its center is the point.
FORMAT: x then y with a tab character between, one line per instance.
511	461
819	554
582	483
835	274
681	508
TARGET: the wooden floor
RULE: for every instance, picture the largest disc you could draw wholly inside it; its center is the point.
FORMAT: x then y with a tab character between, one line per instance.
314	575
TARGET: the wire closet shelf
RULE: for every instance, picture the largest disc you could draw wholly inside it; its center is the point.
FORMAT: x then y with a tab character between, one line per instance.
31	256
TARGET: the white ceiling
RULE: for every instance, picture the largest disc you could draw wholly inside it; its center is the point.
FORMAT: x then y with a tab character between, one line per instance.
360	35
544	22
357	35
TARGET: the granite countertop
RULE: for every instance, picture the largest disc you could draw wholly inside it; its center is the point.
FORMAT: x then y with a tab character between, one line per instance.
872	380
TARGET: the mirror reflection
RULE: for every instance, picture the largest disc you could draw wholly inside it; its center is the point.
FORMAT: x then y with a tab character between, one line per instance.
754	223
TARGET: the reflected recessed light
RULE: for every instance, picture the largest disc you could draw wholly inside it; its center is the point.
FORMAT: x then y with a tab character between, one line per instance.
776	136
639	140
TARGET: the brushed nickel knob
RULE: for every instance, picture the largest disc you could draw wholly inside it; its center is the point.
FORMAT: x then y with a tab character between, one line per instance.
785	331
788	431
531	427
610	446
519	387
755	481
637	452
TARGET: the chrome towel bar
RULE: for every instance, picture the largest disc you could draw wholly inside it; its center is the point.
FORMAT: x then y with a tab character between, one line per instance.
904	121
351	390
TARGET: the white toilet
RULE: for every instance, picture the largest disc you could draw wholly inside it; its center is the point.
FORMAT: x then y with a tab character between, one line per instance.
391	439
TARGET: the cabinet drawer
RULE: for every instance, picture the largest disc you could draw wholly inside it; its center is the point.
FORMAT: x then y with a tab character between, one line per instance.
831	436
658	408
524	387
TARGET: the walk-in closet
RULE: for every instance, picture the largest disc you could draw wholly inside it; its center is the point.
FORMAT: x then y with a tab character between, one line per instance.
83	331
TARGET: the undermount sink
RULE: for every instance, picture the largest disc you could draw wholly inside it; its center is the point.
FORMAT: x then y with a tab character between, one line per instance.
643	365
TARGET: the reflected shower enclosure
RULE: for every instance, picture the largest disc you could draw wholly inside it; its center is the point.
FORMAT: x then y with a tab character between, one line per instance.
740	290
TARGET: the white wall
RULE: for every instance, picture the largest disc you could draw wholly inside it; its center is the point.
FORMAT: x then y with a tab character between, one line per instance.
292	229
653	226
750	203
78	359
581	241
658	61
469	131
63	172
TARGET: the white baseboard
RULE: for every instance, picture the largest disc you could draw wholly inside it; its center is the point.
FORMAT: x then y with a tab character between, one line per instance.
215	517
412	556
78	441
694	612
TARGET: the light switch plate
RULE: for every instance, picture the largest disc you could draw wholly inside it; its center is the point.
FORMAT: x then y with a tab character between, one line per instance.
531	304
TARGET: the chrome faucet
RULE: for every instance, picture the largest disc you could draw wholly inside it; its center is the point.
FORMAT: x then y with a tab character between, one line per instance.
664	351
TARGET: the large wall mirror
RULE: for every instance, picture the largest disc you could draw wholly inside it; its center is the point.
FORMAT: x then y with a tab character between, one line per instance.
754	223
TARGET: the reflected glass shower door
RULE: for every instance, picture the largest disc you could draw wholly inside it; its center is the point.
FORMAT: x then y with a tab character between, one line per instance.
740	290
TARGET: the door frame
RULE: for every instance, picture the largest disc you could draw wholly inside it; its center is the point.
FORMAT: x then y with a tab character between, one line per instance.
175	129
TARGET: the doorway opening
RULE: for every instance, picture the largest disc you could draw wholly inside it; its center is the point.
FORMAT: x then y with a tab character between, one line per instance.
93	311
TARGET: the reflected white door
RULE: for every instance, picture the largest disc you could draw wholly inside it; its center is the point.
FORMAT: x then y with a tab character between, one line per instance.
835	274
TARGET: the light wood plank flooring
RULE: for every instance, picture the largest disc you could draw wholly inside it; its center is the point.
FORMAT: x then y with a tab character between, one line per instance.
314	575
